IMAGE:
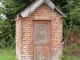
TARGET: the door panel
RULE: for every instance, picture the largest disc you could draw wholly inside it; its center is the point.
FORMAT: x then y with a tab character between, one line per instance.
42	53
41	40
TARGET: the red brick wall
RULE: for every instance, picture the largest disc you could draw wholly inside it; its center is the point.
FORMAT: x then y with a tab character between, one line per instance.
24	33
18	38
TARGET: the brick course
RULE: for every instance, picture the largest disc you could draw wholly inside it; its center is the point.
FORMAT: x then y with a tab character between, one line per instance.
24	33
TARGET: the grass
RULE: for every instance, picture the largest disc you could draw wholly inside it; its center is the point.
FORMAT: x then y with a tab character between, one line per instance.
7	54
71	58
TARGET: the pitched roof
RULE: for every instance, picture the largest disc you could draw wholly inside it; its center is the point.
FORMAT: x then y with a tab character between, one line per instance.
36	4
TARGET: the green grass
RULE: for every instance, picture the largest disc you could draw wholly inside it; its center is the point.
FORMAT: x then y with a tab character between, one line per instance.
71	58
7	54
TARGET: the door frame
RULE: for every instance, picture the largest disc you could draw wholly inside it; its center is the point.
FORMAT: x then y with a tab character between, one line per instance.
49	22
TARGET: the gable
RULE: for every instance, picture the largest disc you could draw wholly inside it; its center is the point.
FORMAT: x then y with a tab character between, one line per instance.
45	11
38	3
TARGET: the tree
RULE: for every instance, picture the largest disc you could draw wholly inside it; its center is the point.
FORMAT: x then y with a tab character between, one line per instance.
13	7
72	22
10	10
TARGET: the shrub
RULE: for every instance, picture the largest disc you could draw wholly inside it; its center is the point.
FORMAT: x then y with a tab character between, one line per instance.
68	50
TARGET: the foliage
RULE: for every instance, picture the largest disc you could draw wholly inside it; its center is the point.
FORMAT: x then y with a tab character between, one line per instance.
8	54
71	58
68	50
72	21
71	48
12	7
7	26
7	36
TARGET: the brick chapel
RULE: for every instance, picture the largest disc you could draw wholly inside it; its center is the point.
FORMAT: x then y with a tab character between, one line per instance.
39	32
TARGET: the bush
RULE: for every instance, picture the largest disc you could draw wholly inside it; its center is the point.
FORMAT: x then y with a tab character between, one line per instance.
9	43
68	50
72	47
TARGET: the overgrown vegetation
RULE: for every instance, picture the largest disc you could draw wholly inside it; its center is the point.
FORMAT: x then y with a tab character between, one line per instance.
11	8
69	52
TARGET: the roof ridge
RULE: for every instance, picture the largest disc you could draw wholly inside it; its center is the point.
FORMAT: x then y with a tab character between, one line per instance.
36	4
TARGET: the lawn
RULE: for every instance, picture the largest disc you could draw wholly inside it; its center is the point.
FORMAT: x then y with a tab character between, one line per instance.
7	54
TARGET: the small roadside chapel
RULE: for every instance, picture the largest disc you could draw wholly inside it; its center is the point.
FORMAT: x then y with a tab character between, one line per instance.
39	32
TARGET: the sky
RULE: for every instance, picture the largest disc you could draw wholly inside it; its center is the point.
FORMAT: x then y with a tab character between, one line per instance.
3	16
1	5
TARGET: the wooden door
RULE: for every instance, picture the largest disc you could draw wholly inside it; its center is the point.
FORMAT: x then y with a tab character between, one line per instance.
41	40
